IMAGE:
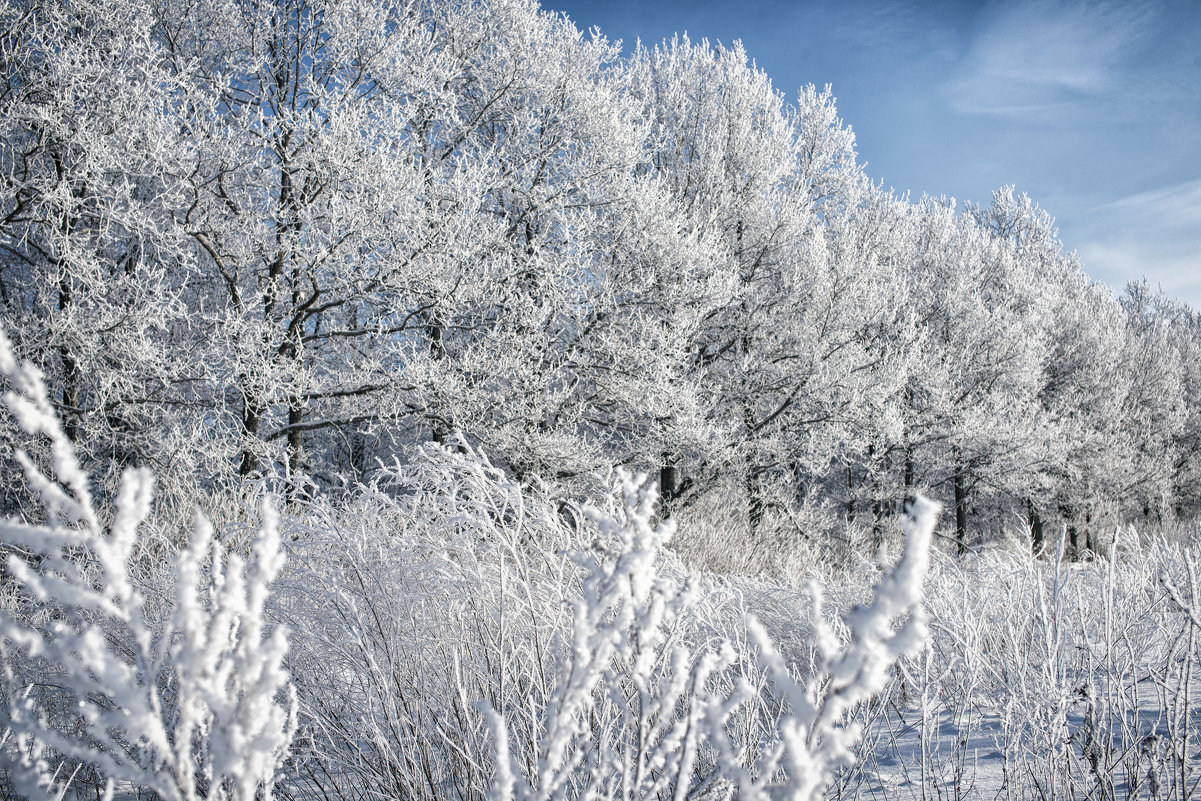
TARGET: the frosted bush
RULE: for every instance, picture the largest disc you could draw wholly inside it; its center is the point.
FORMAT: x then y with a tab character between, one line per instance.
635	714
1047	678
436	587
195	706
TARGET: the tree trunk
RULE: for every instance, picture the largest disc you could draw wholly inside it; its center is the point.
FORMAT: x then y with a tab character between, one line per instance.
1073	534
293	351
754	483
252	415
850	513
961	497
669	487
295	418
357	454
877	507
755	505
434	329
1035	521
72	375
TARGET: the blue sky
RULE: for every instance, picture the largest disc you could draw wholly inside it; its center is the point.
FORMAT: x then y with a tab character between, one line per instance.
1091	108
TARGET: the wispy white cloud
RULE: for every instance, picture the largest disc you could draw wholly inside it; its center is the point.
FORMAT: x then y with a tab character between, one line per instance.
1035	59
1155	234
1176	206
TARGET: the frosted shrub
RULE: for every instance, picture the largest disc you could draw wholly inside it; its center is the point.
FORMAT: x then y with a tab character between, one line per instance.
637	713
193	706
439	586
610	723
1049	679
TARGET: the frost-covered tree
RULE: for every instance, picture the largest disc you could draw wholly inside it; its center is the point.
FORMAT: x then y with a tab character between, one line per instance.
291	239
979	416
756	180
381	221
92	272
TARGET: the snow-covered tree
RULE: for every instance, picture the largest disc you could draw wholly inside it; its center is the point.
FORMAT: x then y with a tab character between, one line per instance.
756	180
979	415
91	271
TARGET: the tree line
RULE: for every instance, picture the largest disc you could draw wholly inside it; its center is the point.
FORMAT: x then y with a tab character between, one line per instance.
295	238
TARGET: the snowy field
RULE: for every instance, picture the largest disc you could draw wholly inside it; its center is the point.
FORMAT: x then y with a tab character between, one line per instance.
427	399
449	634
1045	680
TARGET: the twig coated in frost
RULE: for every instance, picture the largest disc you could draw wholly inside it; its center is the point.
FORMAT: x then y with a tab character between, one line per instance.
199	709
657	710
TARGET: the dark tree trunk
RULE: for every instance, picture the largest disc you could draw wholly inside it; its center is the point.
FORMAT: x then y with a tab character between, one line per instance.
295	418
754	474
72	375
1037	538
357	456
877	506
252	415
1069	523
877	523
755	505
850	496
669	486
435	330
961	498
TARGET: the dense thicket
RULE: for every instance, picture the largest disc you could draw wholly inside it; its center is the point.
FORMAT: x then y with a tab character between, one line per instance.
300	238
446	633
457	639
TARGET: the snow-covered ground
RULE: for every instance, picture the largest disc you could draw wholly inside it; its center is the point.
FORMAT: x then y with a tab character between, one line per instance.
454	635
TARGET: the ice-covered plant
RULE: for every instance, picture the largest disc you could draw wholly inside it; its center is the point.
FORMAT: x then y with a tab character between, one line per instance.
195	706
812	738
411	600
610	726
635	710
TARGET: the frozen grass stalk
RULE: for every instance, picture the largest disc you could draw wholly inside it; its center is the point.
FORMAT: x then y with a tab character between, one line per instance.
813	738
198	708
631	714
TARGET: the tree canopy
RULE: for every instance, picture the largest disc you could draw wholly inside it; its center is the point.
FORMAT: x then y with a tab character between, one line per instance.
297	238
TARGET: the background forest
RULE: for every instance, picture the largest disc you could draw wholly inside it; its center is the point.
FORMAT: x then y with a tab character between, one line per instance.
433	272
295	240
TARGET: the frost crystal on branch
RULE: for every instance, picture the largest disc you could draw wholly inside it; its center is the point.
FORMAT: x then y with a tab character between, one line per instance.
198	708
632	712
